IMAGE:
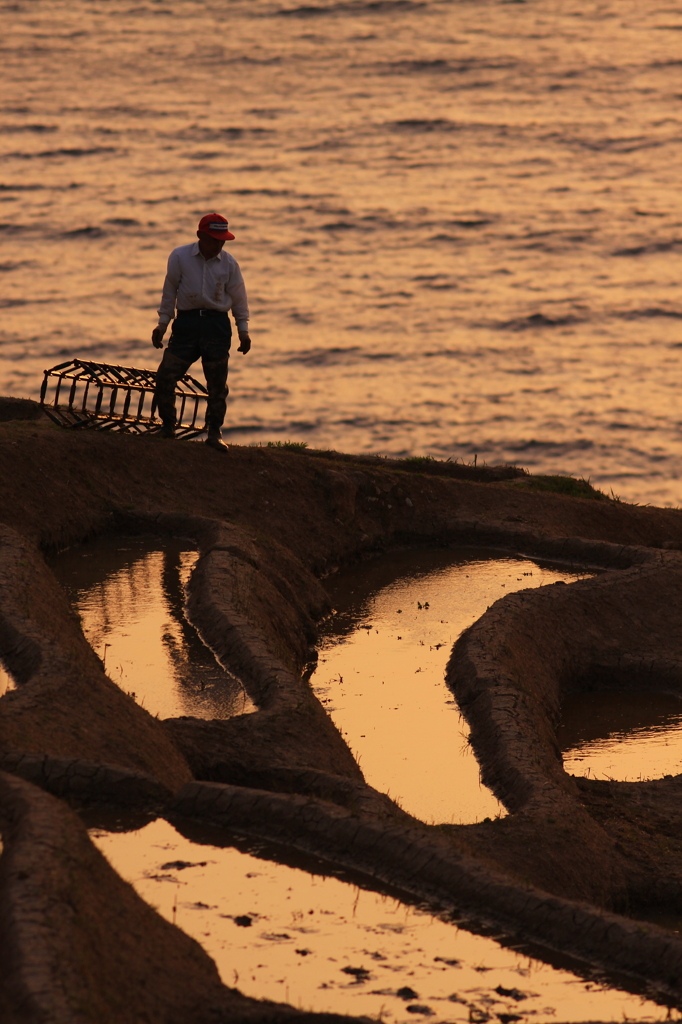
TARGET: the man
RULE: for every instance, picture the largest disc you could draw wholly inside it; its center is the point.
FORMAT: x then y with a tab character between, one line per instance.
203	282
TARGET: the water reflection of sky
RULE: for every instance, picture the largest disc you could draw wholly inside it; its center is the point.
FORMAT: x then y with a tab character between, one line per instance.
629	735
324	944
381	672
381	667
6	681
129	593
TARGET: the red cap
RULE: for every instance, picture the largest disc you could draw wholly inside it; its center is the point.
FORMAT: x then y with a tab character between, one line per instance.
216	226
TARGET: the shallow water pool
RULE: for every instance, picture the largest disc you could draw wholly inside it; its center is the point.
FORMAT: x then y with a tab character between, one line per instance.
320	943
626	735
381	670
6	681
130	595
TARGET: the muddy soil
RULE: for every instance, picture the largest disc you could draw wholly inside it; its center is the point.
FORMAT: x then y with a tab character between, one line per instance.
269	525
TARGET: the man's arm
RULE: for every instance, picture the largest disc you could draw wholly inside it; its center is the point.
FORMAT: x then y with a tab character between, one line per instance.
168	297
240	308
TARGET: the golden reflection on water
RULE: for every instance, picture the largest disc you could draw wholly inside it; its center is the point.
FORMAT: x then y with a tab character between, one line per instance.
129	593
326	945
622	734
458	222
381	673
6	681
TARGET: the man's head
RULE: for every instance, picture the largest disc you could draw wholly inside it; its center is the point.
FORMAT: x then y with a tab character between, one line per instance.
212	234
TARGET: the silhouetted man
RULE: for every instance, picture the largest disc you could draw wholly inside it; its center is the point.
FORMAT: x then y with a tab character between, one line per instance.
203	283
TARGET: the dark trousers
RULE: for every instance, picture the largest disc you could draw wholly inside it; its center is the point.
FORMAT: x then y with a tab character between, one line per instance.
208	337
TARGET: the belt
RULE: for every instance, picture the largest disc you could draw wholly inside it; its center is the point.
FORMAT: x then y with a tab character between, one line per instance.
202	312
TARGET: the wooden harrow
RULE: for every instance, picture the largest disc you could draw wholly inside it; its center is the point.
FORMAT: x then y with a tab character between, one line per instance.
99	396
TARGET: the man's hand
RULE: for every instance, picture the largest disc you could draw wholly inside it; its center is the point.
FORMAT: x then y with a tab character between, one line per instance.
157	335
244	343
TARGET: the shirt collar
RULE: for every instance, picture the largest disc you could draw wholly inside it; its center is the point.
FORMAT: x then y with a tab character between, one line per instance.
195	252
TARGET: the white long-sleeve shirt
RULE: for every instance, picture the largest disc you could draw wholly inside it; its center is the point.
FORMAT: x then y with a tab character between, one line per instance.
193	282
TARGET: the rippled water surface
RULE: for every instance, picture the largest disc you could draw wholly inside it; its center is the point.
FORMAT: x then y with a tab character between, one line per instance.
460	222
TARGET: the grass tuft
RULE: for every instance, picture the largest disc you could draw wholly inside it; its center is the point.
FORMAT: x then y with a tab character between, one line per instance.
292	446
417	460
573	487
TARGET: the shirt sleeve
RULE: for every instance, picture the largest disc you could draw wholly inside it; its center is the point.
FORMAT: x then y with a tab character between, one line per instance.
240	303
170	289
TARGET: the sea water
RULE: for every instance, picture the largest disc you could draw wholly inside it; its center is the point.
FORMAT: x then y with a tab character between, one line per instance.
460	222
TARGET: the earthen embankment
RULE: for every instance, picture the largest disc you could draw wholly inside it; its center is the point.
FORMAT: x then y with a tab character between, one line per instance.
269	524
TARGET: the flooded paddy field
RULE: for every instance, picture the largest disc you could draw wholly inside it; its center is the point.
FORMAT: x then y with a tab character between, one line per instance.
6	681
381	670
296	930
69	734
129	594
282	932
630	736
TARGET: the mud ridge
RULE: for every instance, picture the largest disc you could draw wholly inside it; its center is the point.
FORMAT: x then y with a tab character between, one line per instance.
444	879
269	525
79	945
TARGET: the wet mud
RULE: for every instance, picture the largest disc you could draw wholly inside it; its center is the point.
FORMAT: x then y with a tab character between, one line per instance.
572	868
